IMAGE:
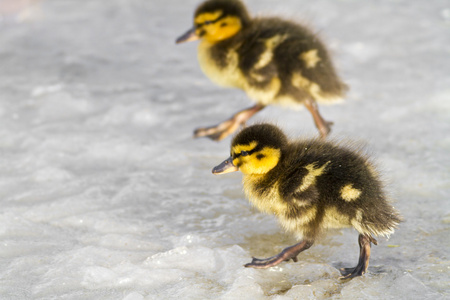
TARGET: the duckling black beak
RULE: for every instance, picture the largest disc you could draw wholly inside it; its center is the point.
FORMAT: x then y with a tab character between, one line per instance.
190	35
225	167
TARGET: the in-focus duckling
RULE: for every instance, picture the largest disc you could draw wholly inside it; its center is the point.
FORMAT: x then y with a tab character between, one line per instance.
273	60
310	185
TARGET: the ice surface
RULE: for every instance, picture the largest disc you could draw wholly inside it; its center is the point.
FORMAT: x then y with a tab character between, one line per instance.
105	195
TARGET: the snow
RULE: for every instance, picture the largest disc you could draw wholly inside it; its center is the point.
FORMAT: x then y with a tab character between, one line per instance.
105	195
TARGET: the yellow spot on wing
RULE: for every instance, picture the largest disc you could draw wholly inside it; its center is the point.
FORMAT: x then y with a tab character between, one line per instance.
349	193
202	18
310	58
266	57
310	178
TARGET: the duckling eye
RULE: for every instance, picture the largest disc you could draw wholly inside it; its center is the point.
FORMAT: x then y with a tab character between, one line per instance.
207	22
223	24
244	153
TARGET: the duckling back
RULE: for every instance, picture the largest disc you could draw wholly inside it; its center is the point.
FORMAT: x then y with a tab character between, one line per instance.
341	184
296	57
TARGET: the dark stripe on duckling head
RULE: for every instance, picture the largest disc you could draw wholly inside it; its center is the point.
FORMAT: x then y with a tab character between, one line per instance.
265	135
244	149
208	18
201	22
228	8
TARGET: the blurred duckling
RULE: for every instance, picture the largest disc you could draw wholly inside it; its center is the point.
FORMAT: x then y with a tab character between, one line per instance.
273	60
310	186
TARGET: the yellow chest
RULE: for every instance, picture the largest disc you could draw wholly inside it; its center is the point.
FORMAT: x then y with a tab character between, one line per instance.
228	75
269	202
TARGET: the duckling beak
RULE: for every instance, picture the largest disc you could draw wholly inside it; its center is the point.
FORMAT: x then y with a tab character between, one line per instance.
225	167
188	36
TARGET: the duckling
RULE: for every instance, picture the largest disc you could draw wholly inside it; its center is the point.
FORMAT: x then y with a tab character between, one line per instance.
310	185
274	61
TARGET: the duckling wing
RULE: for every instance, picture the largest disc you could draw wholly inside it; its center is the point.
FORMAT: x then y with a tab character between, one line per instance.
256	54
297	188
285	59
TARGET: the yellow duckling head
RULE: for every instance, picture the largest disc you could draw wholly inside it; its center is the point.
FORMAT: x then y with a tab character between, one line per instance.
217	20
255	150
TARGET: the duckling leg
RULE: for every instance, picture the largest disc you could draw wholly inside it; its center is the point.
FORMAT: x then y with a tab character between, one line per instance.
323	126
285	255
227	127
364	256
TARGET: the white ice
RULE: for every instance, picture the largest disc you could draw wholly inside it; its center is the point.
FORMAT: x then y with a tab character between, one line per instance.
104	193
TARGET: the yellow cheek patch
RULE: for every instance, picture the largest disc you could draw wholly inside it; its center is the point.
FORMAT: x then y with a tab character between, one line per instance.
269	158
349	193
209	16
248	147
239	148
222	29
311	58
310	178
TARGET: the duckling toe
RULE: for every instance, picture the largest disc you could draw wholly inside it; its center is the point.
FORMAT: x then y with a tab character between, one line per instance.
324	128
345	271
348	273
363	262
229	126
264	263
285	255
218	132
208	132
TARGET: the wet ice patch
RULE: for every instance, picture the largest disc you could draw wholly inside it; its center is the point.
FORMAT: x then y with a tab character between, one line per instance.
52	174
399	285
54	103
363	52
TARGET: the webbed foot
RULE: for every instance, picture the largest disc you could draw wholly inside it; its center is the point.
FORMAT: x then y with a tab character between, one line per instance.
285	255
364	256
229	126
322	125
